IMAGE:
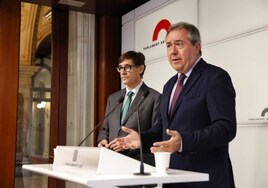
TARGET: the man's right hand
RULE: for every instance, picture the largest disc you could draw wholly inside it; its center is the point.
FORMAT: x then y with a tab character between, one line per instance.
131	141
103	143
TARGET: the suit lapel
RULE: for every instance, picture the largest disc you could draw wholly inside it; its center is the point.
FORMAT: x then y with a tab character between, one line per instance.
194	76
168	93
136	101
118	110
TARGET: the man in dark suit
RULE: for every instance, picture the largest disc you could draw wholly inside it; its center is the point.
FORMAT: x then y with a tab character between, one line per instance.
198	130
131	67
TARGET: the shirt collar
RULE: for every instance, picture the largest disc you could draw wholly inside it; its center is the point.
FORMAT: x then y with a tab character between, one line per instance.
190	70
136	89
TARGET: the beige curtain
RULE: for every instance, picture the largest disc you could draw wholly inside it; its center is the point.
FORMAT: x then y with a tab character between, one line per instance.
81	61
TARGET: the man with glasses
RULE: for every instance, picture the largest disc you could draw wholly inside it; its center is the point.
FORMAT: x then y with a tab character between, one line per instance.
138	98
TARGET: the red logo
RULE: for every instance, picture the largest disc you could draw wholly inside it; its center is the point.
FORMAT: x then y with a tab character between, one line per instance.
163	24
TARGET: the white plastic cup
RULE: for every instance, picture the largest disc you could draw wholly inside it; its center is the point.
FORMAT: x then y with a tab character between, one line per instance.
162	162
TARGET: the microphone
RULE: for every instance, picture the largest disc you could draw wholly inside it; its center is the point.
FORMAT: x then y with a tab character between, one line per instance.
120	100
141	173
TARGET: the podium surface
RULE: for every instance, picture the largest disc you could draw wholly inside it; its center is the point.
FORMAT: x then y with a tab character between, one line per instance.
102	172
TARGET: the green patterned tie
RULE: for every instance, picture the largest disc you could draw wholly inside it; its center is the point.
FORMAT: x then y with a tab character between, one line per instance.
126	106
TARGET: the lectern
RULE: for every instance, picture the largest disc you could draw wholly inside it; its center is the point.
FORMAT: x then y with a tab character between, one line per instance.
101	167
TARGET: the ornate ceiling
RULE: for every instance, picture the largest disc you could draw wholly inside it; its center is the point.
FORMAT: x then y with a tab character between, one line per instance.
35	27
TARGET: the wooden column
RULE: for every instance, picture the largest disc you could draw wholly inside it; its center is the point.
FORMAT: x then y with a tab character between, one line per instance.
58	84
9	69
108	52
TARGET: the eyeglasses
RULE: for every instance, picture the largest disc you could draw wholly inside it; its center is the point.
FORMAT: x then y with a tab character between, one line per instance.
126	68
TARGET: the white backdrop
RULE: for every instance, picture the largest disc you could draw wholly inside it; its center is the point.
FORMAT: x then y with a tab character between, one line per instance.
234	36
247	65
230	44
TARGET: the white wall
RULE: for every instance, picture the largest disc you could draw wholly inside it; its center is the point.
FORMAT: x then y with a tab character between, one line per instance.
234	35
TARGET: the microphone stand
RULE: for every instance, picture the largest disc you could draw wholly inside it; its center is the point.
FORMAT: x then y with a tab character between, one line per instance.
118	102
89	133
141	173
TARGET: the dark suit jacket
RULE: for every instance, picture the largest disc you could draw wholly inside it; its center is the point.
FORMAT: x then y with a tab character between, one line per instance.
148	112
206	119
